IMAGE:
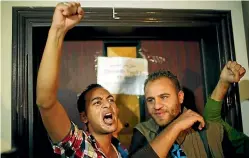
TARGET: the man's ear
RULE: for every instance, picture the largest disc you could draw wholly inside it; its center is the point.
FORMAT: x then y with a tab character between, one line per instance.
181	96
83	117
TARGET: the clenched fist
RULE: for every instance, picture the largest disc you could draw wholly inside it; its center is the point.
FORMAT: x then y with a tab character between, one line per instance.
232	72
67	15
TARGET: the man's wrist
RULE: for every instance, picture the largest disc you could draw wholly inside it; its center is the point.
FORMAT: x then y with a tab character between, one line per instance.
220	90
224	83
57	32
174	126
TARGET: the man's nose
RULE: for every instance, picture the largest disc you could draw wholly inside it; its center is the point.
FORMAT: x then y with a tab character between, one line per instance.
158	104
107	104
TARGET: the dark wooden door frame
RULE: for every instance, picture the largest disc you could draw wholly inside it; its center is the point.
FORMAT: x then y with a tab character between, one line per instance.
25	19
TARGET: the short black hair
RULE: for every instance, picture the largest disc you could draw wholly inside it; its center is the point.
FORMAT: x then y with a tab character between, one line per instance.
81	103
163	73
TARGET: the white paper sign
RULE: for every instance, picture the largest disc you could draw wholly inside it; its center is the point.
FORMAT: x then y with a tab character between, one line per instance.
122	75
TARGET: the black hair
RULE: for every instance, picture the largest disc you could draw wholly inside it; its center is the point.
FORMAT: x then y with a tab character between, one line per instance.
81	103
163	73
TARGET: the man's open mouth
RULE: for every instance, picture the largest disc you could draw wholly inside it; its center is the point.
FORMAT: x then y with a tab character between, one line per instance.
108	119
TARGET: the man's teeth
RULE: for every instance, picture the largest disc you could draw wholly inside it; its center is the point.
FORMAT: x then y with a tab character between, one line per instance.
108	118
109	115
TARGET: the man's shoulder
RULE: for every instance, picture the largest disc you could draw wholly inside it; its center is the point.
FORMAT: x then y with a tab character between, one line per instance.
145	124
214	124
149	125
217	128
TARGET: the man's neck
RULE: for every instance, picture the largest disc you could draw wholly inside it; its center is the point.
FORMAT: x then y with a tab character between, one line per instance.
104	142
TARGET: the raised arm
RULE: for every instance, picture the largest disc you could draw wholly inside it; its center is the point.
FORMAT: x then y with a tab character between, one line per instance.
54	117
231	73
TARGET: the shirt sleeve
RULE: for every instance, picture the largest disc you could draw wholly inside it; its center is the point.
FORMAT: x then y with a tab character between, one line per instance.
212	112
71	144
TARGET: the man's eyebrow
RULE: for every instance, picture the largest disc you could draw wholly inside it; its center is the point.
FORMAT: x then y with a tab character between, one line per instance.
109	96
96	98
149	98
164	94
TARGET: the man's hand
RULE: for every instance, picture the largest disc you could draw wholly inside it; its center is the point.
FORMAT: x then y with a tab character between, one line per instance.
67	15
187	120
169	135
232	72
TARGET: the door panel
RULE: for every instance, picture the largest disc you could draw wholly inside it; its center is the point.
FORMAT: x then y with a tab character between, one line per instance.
77	72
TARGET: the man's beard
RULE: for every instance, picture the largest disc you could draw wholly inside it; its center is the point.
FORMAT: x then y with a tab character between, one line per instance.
172	118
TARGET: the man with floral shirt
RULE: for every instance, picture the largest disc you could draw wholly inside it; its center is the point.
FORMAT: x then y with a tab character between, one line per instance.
96	105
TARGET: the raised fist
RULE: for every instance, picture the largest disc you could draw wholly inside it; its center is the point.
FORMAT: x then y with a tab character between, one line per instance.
67	15
232	72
